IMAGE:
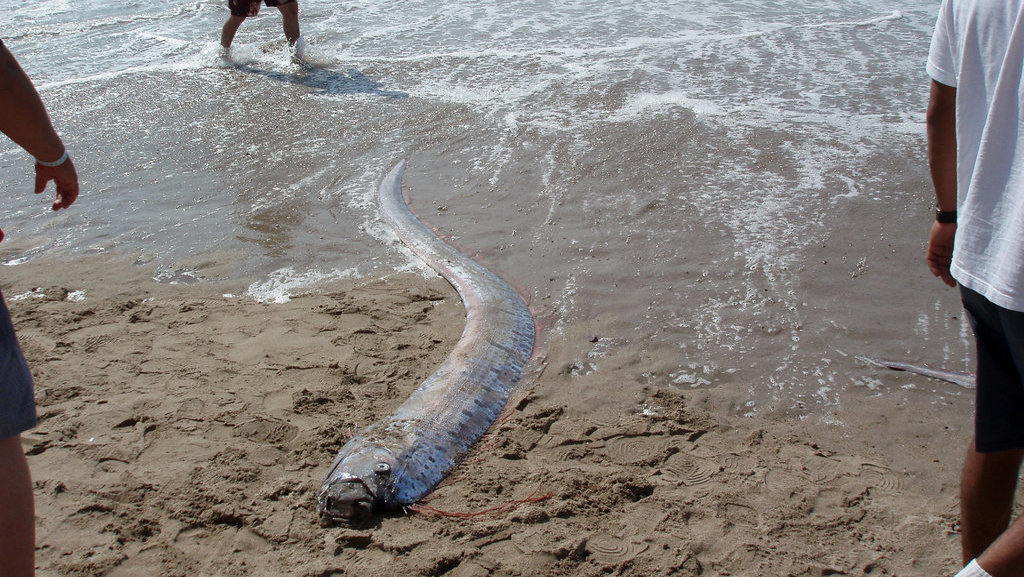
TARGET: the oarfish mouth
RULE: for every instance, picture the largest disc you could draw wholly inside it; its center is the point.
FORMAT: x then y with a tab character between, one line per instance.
348	502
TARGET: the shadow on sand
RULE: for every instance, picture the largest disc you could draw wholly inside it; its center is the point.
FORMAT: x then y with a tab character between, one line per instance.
327	81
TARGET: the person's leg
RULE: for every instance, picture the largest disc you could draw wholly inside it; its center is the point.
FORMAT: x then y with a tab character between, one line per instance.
240	10
290	20
17	414
994	458
227	34
17	510
987	489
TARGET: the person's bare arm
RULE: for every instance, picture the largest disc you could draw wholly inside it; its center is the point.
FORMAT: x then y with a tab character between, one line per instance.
23	118
941	120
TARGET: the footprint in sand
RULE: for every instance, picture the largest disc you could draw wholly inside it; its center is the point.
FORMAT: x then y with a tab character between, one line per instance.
635	450
690	471
881	476
266	430
611	550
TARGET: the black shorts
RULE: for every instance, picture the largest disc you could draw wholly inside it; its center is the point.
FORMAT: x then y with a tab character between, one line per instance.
999	408
249	8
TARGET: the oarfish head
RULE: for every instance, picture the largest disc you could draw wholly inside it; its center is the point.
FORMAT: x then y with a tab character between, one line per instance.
360	481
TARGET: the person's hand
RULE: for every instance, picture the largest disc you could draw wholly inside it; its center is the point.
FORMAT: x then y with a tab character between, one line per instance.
64	177
940	251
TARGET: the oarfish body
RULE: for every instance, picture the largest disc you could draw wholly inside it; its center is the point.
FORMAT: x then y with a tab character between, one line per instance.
400	459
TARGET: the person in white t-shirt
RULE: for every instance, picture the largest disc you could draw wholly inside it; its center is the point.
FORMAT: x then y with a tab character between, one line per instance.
976	155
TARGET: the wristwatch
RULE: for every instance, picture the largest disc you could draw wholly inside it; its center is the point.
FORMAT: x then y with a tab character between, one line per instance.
945	216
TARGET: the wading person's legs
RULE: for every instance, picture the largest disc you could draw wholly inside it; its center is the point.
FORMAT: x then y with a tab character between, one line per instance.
290	20
227	34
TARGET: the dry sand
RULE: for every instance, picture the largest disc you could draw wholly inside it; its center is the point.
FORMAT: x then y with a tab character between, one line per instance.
185	432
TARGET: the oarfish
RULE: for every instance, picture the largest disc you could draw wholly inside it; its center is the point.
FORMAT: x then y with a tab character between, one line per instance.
965	380
398	460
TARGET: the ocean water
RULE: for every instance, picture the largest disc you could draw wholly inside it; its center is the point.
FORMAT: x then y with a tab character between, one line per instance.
713	194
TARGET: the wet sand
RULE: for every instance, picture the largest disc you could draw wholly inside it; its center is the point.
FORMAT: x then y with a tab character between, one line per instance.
185	432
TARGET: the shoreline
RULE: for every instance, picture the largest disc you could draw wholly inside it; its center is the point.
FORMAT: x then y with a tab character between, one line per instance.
185	432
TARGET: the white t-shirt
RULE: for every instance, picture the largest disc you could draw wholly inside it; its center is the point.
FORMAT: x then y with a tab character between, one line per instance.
978	47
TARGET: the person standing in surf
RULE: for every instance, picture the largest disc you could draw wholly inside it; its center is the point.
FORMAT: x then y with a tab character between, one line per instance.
23	118
976	158
242	9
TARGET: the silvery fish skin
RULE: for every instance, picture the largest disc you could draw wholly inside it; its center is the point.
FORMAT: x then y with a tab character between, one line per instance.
965	380
400	459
